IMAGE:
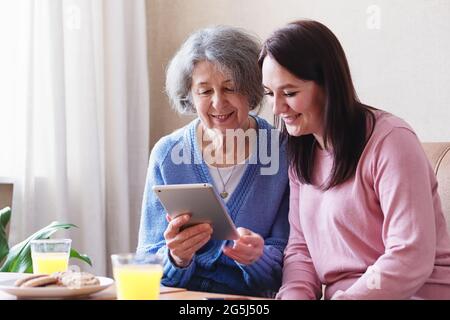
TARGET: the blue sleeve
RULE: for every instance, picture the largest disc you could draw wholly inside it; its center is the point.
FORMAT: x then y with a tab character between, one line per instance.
153	224
265	273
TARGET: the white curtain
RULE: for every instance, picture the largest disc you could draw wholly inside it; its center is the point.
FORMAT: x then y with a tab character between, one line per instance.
81	122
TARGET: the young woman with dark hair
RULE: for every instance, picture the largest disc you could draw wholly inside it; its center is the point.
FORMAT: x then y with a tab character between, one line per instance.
365	216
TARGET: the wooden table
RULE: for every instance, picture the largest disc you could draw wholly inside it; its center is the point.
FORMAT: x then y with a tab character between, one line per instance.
197	295
110	293
167	293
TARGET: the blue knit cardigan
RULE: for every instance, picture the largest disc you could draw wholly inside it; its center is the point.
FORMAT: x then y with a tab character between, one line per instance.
259	203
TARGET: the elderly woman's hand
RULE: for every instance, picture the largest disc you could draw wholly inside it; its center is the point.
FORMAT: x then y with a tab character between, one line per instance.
247	249
183	244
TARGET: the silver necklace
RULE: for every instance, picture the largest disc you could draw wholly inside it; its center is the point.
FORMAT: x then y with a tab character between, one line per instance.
224	192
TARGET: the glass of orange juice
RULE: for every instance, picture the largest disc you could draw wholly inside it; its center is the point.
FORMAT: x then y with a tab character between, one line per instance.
138	277
50	255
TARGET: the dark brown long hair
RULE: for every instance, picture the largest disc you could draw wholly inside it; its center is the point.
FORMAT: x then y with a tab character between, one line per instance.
310	51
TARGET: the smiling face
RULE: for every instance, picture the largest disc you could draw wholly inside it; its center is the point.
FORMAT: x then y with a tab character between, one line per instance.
298	102
214	96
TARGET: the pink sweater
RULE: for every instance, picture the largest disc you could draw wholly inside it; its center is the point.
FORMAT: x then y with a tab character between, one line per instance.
379	235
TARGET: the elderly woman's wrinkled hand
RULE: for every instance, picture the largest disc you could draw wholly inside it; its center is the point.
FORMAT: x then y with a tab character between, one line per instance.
183	244
247	249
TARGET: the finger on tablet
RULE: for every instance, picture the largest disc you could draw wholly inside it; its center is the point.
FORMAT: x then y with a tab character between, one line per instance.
252	240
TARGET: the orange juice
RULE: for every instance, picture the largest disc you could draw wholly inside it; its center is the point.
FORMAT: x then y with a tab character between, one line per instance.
49	262
138	282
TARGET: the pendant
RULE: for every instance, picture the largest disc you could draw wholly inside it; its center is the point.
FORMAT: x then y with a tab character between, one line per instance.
224	194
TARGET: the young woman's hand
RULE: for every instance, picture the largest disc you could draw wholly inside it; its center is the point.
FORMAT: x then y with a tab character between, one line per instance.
247	249
182	245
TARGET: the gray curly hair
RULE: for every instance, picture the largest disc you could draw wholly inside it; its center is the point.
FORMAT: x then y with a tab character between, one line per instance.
231	49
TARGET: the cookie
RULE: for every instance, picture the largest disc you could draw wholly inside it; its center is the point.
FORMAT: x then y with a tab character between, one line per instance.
21	281
76	279
54	285
39	282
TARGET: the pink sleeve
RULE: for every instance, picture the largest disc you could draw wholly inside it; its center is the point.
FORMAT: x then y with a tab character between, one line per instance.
403	182
300	280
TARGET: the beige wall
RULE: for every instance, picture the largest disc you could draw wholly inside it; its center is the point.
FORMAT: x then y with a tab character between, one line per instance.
402	67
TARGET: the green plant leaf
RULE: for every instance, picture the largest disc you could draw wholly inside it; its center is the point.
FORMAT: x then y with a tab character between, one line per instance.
83	257
5	217
19	256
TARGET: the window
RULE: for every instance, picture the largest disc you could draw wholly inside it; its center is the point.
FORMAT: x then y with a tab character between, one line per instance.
8	45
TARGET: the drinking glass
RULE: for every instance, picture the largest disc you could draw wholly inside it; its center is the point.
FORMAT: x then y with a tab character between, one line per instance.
138	277
50	255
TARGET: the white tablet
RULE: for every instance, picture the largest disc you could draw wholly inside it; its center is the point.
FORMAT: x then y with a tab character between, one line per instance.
204	204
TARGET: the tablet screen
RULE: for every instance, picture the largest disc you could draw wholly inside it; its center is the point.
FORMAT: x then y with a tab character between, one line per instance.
202	202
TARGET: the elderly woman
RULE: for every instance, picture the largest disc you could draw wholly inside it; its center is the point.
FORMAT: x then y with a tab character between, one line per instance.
215	75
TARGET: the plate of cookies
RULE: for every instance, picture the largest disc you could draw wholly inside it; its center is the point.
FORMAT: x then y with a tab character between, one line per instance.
56	285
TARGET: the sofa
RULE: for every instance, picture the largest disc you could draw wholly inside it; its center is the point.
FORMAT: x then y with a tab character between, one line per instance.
6	194
439	155
6	190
